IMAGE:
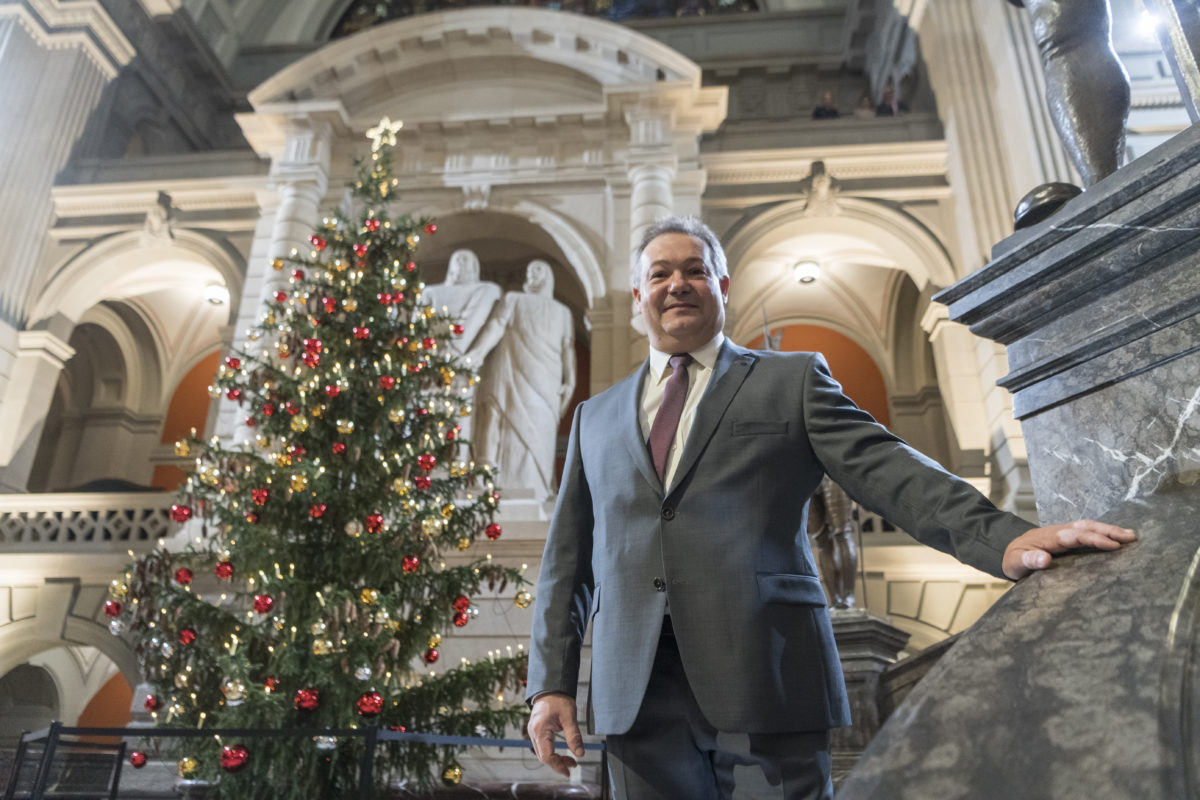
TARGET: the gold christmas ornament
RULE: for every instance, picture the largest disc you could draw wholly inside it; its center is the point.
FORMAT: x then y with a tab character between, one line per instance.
448	511
345	426
322	647
458	469
299	423
210	476
277	264
181	680
187	766
318	411
214	391
183	448
318	628
262	440
463	543
523	599
350	304
283	460
429	312
299	482
400	486
412	239
396	415
369	597
354	528
118	588
430	526
465	411
435	640
452	775
234	691
447	375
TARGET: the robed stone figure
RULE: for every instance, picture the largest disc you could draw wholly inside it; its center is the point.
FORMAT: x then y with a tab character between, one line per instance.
528	377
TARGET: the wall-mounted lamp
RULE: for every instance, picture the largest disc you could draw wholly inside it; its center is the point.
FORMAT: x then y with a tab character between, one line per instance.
216	294
806	271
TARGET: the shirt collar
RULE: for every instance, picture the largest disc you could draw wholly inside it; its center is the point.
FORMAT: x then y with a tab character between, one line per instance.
705	356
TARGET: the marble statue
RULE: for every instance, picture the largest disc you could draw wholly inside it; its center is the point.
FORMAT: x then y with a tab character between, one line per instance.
464	297
1087	91
528	377
831	524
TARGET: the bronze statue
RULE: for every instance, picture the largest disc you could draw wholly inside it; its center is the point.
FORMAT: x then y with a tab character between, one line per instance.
831	524
1087	91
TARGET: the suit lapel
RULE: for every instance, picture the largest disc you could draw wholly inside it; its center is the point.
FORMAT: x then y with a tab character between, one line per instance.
730	371
631	427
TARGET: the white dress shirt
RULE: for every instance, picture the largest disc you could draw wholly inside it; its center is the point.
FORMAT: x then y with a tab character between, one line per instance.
699	373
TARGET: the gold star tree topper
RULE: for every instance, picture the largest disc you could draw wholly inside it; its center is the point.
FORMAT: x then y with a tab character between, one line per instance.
384	133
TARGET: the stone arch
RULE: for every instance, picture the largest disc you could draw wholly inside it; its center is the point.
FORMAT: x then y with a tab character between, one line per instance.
127	265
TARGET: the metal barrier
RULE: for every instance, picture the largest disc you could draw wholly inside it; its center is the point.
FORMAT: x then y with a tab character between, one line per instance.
372	737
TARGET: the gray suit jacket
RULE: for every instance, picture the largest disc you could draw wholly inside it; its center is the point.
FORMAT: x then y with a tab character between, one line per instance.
727	544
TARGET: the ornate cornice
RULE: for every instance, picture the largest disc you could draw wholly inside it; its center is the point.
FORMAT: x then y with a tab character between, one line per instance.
83	24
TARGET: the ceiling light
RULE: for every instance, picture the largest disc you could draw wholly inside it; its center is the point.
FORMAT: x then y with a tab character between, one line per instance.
806	271
216	294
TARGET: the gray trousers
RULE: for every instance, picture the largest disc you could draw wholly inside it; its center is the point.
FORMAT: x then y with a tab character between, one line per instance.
673	753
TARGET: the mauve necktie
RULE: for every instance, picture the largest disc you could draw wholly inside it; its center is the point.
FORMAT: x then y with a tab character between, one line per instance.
666	421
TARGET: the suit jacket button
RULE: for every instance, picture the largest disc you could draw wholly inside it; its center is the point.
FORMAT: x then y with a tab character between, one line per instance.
660	584
668	514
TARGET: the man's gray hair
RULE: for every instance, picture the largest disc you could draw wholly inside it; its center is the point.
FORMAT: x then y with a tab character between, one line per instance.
691	226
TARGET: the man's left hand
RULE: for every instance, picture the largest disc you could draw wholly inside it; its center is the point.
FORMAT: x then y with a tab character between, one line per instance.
1033	549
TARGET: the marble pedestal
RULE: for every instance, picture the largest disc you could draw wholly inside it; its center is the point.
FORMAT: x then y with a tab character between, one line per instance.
1084	680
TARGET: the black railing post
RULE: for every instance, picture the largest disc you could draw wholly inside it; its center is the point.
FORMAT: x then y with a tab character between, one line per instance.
43	774
367	768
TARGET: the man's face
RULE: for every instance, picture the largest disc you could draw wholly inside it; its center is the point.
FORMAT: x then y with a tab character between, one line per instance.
681	297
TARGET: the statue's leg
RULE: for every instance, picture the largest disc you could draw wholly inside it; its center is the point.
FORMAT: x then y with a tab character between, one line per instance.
1086	86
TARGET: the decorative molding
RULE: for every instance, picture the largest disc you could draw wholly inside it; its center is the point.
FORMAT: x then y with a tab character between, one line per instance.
844	162
56	24
45	345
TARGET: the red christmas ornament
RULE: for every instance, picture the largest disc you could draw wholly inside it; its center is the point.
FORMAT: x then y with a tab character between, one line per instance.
369	703
492	531
428	343
252	517
462	603
339	448
260	496
234	757
313	345
431	656
307	699
183	576
251	422
263	603
268	409
187	636
361	333
398	728
311	360
281	297
297	451
374	523
223	570
152	703
451	434
360	250
330	304
431	229
398	297
460	619
297	274
113	608
410	564
384	298
422	411
234	393
317	510
372	225
233	363
422	482
332	390
387	382
291	408
270	685
457	330
137	759
181	513
317	242
427	461
411	266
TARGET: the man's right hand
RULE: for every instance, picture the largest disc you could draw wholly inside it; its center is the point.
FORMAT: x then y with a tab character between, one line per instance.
555	713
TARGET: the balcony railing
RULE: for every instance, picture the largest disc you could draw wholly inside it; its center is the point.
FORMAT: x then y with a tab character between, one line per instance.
83	521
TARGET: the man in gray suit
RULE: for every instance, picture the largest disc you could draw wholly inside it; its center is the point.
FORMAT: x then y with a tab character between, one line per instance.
680	535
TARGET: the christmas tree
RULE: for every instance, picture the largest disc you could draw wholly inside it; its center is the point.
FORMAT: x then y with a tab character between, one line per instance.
321	542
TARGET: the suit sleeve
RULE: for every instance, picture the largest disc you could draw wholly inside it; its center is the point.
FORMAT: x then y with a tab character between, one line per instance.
565	583
889	477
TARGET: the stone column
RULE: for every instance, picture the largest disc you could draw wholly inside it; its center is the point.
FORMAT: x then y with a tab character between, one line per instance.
41	356
54	65
290	213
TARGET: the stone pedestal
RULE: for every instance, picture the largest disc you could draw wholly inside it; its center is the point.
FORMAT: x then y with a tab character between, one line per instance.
867	645
1082	681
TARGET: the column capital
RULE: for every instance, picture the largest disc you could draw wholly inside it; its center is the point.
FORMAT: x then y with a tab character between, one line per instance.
82	24
46	345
